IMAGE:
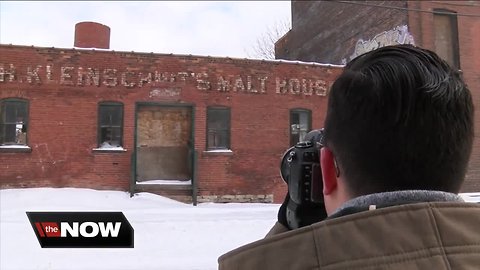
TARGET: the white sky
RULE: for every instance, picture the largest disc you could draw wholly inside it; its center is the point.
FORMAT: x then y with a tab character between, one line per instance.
215	28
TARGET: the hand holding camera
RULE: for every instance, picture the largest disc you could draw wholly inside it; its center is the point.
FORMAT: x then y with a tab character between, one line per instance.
300	169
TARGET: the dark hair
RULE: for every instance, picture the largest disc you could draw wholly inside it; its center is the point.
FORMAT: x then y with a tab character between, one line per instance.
400	118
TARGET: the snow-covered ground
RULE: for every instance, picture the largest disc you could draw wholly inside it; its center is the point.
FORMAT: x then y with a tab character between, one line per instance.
168	235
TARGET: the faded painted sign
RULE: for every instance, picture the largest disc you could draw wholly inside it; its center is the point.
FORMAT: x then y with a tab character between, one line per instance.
398	35
165	92
111	77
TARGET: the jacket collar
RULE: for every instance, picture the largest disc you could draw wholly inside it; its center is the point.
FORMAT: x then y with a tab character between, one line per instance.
386	199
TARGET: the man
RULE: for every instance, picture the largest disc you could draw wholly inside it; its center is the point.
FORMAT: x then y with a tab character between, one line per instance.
398	136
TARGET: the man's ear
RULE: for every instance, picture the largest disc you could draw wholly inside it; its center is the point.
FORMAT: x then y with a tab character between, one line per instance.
329	173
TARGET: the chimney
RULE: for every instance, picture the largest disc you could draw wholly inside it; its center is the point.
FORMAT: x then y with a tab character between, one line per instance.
92	35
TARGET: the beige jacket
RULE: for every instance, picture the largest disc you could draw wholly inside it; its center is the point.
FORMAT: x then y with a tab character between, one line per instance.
431	236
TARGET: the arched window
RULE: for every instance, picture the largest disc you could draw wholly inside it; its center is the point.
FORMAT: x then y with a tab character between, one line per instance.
300	124
13	121
110	125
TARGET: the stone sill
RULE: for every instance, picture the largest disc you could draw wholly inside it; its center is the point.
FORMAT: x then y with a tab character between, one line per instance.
109	150
220	152
15	149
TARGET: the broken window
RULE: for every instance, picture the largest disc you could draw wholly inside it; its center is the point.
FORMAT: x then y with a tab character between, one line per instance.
110	125
13	122
218	128
300	124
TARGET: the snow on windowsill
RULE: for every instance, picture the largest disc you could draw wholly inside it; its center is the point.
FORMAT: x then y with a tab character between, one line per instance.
165	182
14	146
110	149
219	151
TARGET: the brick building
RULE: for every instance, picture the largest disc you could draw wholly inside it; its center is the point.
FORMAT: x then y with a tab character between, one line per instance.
337	31
188	127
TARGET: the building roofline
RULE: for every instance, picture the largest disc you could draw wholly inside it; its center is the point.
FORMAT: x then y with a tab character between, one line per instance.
182	55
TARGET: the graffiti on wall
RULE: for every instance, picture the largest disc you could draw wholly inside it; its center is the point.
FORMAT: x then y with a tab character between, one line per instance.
398	35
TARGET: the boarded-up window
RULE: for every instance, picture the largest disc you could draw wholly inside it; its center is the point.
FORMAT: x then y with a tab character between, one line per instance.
110	124
218	128
446	36
300	124
13	122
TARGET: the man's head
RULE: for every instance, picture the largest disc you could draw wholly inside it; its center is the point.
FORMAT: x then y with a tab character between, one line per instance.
398	118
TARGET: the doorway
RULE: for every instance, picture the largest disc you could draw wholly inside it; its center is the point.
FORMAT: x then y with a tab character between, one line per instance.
164	143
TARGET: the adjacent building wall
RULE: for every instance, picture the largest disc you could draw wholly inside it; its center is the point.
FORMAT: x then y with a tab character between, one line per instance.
328	31
336	31
422	28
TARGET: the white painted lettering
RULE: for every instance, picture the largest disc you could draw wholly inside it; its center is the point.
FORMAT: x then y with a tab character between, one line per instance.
294	86
250	87
144	78
202	82
238	86
182	76
91	77
109	77
320	87
49	69
125	81
223	85
263	85
307	89
65	76
33	73
281	86
7	73
159	77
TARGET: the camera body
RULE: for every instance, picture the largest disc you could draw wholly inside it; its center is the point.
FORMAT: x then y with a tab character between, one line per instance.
300	169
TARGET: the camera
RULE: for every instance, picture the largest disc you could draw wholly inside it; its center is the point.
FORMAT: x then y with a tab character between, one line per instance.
300	169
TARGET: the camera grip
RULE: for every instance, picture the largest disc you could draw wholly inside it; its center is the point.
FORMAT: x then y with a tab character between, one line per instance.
293	216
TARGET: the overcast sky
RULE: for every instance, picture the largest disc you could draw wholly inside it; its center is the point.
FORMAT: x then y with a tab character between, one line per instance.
215	28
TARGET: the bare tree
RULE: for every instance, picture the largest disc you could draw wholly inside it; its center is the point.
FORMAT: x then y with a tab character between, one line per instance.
264	47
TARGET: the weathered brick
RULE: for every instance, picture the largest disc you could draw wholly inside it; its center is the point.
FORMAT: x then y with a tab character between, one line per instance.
63	107
329	31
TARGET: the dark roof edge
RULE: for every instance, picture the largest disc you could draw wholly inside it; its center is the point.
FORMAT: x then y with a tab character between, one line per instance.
183	55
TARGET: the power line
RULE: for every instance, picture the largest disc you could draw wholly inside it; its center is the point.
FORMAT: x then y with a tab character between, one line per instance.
409	9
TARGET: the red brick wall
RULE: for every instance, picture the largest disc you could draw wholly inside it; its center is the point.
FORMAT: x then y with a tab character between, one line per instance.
92	35
421	26
63	117
327	31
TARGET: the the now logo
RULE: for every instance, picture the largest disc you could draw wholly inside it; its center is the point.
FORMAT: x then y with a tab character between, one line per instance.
76	229
81	229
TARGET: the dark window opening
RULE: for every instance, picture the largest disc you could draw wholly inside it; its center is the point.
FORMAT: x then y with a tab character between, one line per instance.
300	125
446	36
13	122
110	128
218	128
